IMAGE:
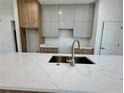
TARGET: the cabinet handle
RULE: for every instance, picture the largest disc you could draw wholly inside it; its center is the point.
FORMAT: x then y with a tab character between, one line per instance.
102	48
121	27
118	44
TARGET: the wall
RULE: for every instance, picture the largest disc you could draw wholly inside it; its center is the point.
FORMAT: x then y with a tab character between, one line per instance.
6	34
108	10
95	23
16	18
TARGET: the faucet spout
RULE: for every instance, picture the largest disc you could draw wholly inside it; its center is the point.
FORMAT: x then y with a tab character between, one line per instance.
73	60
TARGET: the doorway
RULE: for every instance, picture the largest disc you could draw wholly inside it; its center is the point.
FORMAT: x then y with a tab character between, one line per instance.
112	39
14	35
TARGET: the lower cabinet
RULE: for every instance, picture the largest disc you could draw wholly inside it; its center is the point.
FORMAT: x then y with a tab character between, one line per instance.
17	91
48	50
84	51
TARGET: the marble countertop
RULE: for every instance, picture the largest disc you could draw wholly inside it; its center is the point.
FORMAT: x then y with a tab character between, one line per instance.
48	46
33	72
55	46
85	47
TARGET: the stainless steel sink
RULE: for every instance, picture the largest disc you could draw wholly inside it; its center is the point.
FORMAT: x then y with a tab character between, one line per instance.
64	59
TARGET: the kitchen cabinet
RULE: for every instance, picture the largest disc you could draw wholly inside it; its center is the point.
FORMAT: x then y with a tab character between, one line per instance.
83	19
84	51
29	18
66	16
84	13
48	50
50	29
82	29
28	13
50	21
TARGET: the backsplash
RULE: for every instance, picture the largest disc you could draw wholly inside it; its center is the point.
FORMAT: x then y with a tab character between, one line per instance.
65	40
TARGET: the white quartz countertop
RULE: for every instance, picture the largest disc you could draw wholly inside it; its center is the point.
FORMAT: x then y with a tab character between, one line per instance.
33	72
55	46
48	46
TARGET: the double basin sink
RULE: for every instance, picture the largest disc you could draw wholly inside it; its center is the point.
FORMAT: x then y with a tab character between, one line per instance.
64	59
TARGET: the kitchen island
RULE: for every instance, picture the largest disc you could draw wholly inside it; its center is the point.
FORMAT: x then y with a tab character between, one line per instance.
33	72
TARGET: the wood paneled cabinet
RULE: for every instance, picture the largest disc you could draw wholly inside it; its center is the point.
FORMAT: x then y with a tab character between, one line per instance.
28	13
48	50
84	51
29	18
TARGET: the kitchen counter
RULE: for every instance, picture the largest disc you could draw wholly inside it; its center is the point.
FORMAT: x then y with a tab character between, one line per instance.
55	46
48	46
33	72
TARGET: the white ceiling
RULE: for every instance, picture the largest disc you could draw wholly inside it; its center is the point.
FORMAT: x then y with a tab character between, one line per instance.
8	4
66	1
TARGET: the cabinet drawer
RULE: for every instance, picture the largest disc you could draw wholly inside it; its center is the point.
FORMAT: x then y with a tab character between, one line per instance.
84	51
49	50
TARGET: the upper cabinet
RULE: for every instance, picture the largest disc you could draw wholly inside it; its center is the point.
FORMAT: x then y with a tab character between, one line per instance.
83	19
66	13
29	18
50	13
84	13
28	13
79	18
50	21
82	29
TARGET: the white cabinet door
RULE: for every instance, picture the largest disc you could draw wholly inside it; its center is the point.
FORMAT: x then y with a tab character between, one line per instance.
82	29
84	13
83	19
50	13
50	21
111	38
50	29
66	17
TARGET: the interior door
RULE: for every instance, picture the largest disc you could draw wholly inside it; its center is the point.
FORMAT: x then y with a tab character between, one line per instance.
112	31
6	36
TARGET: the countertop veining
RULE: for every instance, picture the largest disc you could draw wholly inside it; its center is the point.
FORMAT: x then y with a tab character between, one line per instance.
33	72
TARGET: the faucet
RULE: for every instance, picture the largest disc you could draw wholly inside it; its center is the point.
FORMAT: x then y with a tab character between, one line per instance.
72	61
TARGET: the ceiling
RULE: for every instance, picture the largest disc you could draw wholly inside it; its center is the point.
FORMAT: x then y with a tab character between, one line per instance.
66	1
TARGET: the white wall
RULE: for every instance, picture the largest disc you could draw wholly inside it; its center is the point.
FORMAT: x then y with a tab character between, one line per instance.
16	18
95	23
108	10
6	34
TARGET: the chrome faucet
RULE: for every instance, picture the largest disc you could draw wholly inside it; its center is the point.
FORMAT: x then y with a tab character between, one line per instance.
72	61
